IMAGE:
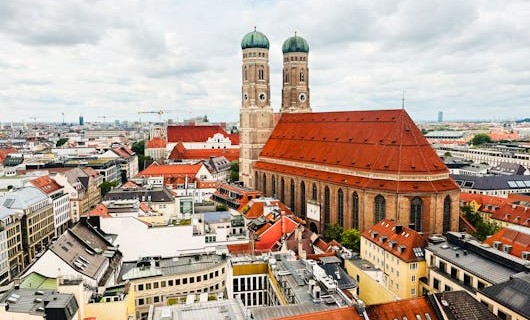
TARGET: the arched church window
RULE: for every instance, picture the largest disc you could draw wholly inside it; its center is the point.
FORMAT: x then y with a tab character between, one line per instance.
282	190
302	200
447	215
256	180
379	208
302	76
264	184
327	213
416	213
261	74
340	207
315	191
292	195
245	74
273	191
355	211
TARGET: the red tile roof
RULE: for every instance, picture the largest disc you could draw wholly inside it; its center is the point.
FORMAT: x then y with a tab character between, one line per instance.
256	207
361	182
512	213
180	152
192	133
123	152
400	309
156	142
4	152
482	199
519	240
242	248
270	234
385	141
348	313
166	170
46	184
100	210
408	238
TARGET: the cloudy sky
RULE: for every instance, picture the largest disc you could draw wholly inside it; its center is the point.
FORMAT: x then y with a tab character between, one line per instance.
469	59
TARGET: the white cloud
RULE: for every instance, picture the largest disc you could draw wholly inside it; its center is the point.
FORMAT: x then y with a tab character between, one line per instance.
113	58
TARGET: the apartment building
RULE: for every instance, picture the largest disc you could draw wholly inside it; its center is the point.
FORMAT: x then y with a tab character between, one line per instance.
61	202
10	223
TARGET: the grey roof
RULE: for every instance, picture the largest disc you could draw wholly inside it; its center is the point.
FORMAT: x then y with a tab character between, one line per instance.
156	194
32	301
492	182
508	169
474	263
274	312
475	167
231	309
20	199
514	293
216	217
217	164
169	266
458	305
338	274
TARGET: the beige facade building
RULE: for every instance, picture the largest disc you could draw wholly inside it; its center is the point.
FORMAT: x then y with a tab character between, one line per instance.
256	116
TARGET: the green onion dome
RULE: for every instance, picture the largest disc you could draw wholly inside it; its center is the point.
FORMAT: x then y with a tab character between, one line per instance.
255	39
295	44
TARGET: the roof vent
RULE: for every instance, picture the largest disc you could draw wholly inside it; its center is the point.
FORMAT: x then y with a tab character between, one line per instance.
507	248
497	244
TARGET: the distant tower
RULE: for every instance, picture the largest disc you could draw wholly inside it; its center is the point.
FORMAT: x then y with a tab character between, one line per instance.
81	121
295	92
440	116
256	116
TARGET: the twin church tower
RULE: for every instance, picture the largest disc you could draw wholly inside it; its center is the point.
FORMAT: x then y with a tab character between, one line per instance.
257	116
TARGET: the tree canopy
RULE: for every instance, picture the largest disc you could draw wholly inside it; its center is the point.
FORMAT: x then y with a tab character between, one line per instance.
480	138
138	147
61	141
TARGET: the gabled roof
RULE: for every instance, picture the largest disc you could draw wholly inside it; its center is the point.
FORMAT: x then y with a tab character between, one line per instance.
270	234
402	309
513	293
46	184
348	313
156	142
512	213
256	208
192	133
518	238
123	152
378	141
175	170
384	235
180	152
100	210
456	305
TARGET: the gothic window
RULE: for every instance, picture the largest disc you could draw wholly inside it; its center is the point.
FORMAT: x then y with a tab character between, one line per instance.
355	211
447	214
327	213
302	76
282	190
273	191
256	180
245	74
261	74
416	208
264	184
286	76
379	208
292	195
302	199
315	191
340	207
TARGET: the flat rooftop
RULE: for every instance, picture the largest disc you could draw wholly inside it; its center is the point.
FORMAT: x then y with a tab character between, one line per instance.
231	309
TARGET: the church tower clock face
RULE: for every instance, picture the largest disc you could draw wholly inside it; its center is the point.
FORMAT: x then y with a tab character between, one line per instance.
302	97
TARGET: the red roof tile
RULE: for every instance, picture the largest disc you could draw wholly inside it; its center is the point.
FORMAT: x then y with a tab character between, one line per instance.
242	248
156	142
512	213
408	238
385	141
361	182
348	313
192	133
46	184
123	152
176	170
100	210
402	309
256	208
482	199
180	152
4	152
519	240
270	234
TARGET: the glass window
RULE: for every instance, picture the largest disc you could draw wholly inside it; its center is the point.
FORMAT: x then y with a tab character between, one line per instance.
340	207
447	215
292	195
355	211
380	208
302	200
416	213
327	214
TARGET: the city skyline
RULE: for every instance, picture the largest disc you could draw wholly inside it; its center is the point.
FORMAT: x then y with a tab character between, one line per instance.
114	59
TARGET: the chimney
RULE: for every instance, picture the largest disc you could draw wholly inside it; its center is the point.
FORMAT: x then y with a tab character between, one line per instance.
399	229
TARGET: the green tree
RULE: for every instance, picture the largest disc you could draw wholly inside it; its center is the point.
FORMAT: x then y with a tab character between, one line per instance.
144	162
351	239
484	228
480	138
333	232
234	171
61	141
138	147
106	186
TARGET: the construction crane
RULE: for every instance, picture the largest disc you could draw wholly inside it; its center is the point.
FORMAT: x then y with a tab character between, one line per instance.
159	112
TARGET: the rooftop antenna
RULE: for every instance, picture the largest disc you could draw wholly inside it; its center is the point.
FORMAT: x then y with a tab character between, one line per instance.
403	100
254	28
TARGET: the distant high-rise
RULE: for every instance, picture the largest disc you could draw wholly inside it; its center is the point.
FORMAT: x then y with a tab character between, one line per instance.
81	121
440	116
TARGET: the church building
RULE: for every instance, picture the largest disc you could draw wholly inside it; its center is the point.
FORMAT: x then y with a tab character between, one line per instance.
350	168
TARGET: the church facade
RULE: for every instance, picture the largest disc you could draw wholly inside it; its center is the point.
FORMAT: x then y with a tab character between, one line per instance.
351	168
